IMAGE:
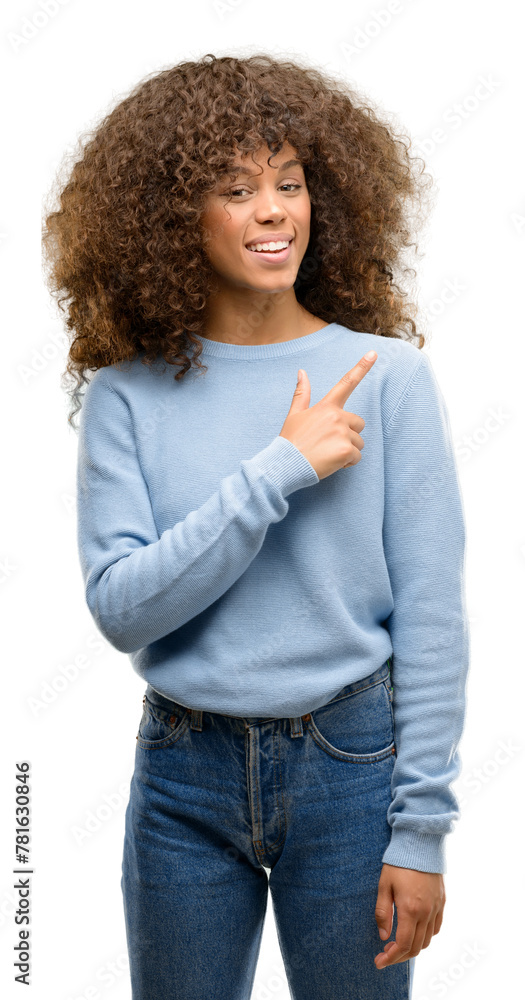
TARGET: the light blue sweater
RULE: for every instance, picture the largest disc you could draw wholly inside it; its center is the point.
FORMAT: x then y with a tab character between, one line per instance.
238	582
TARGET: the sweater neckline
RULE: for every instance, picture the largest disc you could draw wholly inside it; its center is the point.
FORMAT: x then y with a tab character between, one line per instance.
259	352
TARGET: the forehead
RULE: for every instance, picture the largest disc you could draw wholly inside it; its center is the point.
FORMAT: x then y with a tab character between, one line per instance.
252	163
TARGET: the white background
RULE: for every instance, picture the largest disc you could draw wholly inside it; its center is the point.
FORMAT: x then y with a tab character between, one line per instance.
56	83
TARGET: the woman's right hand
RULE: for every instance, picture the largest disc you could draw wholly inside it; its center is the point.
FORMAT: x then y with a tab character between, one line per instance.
326	434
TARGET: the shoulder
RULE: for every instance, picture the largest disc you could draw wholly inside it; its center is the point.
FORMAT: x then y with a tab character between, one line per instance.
398	367
397	359
118	379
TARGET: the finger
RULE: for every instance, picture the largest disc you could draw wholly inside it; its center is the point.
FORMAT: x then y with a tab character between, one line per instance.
420	937
400	954
380	960
429	934
384	909
439	921
406	930
388	947
357	440
390	956
302	392
358	444
340	392
355	422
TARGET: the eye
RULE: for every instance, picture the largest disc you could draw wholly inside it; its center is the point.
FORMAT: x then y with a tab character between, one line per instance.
238	191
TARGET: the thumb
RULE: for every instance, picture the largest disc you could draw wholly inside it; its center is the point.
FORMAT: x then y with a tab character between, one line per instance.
301	396
383	910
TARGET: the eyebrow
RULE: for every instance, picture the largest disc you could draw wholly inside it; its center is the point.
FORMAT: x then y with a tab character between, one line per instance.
284	166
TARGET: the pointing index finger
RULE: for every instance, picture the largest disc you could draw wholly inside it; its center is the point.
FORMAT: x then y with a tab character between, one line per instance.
340	392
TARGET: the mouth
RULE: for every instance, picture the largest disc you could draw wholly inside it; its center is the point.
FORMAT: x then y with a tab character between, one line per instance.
273	256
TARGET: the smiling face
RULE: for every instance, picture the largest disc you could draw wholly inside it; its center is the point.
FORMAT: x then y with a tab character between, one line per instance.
269	202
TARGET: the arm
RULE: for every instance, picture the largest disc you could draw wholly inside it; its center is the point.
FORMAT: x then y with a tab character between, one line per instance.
424	541
140	587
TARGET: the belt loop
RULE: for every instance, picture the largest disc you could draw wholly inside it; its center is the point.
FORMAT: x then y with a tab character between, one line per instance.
296	725
196	719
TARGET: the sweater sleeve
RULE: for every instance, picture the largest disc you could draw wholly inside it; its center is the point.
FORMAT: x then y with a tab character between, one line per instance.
139	587
424	543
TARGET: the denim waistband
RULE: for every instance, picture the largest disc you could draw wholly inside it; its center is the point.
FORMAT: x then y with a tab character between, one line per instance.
376	677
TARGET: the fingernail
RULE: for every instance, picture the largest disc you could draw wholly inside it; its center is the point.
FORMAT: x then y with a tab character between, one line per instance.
370	354
383	934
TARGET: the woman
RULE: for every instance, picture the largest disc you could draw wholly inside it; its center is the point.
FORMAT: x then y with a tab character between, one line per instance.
293	599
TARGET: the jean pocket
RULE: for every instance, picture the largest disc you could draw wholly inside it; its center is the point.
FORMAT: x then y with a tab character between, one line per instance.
359	727
161	727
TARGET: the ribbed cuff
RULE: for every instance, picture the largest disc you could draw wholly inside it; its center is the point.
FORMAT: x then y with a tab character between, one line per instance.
285	466
423	851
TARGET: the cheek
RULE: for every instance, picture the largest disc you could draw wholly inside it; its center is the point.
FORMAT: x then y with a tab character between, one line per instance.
303	213
223	251
222	231
211	227
224	245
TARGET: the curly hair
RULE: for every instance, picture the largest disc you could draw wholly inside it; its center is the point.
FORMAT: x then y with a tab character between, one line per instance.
120	250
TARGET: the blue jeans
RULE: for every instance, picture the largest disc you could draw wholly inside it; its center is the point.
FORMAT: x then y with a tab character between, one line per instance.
215	800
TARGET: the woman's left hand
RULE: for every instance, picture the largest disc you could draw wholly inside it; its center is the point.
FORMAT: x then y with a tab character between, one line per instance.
419	898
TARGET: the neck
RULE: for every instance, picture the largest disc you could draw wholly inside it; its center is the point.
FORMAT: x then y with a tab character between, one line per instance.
258	318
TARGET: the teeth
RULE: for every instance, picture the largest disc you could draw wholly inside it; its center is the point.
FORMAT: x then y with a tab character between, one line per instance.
269	246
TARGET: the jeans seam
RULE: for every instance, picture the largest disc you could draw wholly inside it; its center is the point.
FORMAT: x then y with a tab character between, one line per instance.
323	744
166	741
351	694
282	830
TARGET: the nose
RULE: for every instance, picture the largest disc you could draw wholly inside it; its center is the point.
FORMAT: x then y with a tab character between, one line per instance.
269	206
